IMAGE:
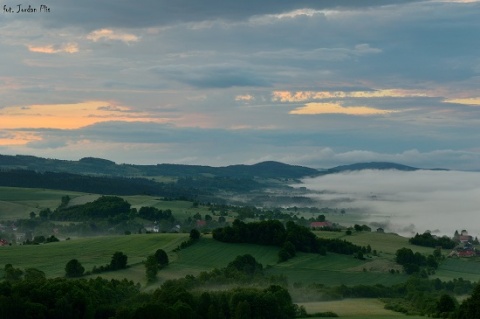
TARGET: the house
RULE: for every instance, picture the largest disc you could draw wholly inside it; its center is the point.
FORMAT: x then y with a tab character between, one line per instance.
380	230
465	238
152	229
3	242
464	250
319	225
201	223
466	253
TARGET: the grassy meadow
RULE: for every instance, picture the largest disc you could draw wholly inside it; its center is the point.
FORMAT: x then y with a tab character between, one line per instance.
360	308
19	202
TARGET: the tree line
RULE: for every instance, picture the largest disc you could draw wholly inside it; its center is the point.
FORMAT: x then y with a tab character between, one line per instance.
106	185
35	296
428	240
291	238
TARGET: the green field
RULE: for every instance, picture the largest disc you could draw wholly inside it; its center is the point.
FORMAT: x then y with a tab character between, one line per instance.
95	251
19	202
355	308
468	269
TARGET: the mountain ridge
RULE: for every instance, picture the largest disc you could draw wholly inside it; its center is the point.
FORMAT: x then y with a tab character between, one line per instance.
104	167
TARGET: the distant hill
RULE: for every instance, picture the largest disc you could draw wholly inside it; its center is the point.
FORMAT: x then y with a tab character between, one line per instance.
98	166
370	165
103	167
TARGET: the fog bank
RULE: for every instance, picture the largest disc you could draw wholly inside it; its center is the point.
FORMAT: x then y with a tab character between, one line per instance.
406	202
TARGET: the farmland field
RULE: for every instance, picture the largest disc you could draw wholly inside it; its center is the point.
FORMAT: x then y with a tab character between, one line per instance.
19	202
333	269
468	269
355	308
95	251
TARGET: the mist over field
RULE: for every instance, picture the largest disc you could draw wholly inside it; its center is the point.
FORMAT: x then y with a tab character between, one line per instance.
405	202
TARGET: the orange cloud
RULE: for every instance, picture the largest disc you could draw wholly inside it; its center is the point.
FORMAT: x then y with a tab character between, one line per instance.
18	138
303	96
474	101
52	49
107	34
336	108
66	116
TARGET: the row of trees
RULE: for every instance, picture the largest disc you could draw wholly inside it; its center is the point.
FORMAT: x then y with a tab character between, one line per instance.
414	262
96	184
292	238
416	296
105	207
74	268
39	297
427	240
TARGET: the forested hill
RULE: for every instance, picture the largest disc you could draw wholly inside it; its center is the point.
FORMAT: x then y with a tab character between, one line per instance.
103	167
370	165
98	166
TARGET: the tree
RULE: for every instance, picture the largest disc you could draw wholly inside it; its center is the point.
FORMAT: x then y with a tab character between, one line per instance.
470	307
446	304
45	213
246	264
74	268
119	261
194	234
33	215
33	274
151	268
12	274
161	257
283	255
65	201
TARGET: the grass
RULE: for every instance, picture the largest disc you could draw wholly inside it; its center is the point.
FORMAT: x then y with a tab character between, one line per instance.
466	268
19	202
383	243
52	258
334	269
355	308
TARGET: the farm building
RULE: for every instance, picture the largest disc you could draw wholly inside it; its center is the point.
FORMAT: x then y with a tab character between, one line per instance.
465	249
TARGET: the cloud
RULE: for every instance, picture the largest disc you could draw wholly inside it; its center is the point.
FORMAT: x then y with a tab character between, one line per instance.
302	96
337	108
214	76
54	49
108	34
66	116
428	200
244	98
147	13
474	101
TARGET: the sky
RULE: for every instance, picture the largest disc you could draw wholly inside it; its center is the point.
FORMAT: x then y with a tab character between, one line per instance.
221	82
404	202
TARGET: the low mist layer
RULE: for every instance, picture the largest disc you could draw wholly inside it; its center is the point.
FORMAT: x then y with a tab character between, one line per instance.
406	202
